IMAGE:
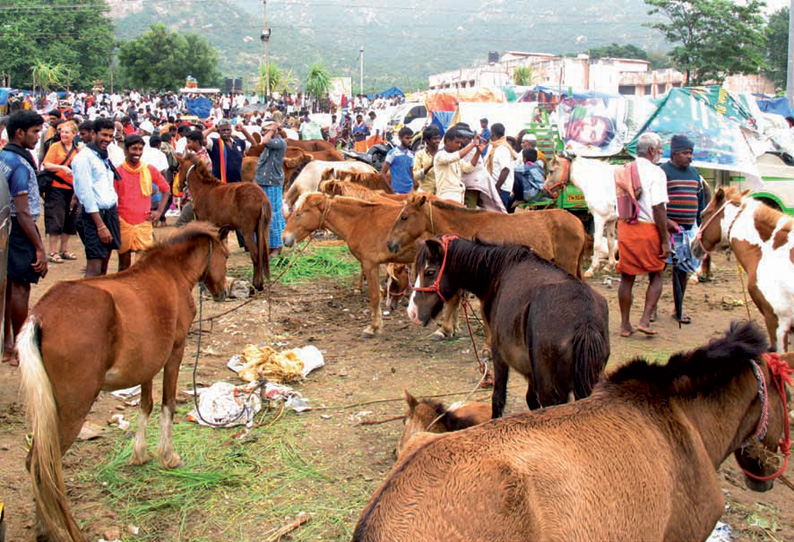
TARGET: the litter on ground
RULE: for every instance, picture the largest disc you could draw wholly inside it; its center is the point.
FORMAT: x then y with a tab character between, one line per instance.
257	362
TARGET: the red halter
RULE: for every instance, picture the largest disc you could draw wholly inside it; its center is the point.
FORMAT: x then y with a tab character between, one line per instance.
565	176
781	375
436	287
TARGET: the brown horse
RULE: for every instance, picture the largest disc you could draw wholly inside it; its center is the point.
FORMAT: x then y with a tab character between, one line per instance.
763	241
294	161
235	206
363	225
635	461
555	235
518	291
430	416
132	325
398	284
373	181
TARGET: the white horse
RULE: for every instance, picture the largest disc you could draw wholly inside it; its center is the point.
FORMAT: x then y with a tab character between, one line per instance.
596	180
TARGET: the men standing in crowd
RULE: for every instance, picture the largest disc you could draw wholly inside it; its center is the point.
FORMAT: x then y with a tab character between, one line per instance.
424	174
449	165
94	176
227	151
27	258
134	188
687	199
270	176
642	239
530	141
485	134
397	170
501	163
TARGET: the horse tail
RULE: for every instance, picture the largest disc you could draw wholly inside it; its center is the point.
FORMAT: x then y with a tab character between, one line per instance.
44	458
590	353
262	227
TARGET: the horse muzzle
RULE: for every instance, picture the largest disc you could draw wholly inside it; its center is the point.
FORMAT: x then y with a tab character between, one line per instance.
288	238
394	246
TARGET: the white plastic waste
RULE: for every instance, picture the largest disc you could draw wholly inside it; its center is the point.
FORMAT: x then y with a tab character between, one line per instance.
226	405
721	533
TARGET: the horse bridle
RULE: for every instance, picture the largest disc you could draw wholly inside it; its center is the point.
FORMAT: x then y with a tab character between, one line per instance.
436	286
187	174
781	375
203	280
699	235
564	178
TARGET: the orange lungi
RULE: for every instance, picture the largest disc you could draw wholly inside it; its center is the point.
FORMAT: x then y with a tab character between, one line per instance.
640	248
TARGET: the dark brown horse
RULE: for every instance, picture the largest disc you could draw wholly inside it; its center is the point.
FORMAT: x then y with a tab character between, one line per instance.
546	324
637	460
131	326
235	206
556	235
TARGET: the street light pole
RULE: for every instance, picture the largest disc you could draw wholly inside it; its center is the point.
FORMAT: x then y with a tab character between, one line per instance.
790	71
266	42
361	68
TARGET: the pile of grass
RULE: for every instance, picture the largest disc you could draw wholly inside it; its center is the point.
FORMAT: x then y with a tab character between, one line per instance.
316	262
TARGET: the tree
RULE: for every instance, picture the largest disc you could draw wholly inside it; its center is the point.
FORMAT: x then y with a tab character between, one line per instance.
76	35
280	80
318	81
777	47
714	38
48	76
523	75
161	60
616	50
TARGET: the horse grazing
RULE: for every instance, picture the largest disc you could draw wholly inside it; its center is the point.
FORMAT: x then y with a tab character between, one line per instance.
235	206
546	324
430	416
308	180
132	325
637	460
398	284
596	180
363	225
762	240
555	235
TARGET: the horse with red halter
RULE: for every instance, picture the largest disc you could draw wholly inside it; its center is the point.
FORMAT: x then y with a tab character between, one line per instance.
637	460
544	323
131	326
234	206
763	242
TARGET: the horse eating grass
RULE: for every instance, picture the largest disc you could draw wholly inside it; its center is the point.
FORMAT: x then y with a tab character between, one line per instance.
235	206
429	416
637	460
131	325
544	323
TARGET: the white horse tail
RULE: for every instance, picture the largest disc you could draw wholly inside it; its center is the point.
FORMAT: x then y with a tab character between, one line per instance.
44	459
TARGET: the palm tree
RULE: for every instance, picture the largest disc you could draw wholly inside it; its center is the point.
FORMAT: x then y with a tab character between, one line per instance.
523	75
318	81
280	80
47	75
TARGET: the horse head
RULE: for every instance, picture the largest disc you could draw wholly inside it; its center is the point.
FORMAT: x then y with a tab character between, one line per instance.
328	174
559	174
398	284
418	417
430	288
311	210
409	224
714	230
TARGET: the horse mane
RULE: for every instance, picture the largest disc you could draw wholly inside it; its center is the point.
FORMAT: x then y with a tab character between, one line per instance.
203	172
441	204
448	418
703	371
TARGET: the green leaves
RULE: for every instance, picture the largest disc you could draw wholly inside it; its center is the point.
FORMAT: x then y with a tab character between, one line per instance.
777	47
523	75
280	80
714	38
318	81
161	60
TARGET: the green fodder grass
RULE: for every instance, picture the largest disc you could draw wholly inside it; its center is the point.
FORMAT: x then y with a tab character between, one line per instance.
230	489
318	261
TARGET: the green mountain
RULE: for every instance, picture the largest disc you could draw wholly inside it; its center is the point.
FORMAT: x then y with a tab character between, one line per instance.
403	41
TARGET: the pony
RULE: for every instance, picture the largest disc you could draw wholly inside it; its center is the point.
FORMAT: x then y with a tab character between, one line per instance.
332	187
308	180
373	181
637	460
544	323
398	284
235	206
555	235
132	325
430	416
763	242
596	179
294	161
363	225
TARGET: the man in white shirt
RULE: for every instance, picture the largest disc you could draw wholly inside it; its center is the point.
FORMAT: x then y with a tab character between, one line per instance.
643	245
501	163
449	166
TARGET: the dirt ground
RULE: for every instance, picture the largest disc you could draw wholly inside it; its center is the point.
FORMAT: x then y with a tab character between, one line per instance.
331	316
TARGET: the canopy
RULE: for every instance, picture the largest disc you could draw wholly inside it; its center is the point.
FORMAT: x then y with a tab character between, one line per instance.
448	100
778	106
388	93
201	106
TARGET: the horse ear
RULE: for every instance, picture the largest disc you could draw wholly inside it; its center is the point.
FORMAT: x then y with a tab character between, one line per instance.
309	155
410	399
435	248
719	195
419	200
744	192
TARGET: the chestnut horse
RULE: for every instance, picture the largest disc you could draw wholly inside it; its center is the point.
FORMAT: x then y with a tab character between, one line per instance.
637	460
431	416
763	242
363	225
555	235
131	325
544	323
234	206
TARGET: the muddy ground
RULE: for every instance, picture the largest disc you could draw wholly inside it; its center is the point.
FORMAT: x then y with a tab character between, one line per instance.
330	315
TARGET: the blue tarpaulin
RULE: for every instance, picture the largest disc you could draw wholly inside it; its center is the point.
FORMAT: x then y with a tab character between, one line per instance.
388	93
779	106
201	106
4	92
442	119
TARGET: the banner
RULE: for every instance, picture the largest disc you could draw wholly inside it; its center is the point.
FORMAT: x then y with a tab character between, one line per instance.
592	125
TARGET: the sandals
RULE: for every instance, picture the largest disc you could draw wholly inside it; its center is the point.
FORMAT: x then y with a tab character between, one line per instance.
66	255
54	258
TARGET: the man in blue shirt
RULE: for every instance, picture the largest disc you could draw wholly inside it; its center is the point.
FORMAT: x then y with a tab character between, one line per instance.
270	176
399	164
27	259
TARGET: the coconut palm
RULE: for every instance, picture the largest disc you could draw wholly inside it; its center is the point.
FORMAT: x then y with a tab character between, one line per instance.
318	81
282	81
523	75
47	75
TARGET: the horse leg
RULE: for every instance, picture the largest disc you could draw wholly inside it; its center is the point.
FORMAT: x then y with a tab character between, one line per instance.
450	323
253	251
598	238
501	371
612	243
165	448
360	287
139	455
372	272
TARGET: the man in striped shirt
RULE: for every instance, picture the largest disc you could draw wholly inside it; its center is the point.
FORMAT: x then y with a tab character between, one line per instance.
687	199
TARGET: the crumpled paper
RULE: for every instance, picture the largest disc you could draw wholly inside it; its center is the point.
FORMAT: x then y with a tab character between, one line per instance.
258	362
226	405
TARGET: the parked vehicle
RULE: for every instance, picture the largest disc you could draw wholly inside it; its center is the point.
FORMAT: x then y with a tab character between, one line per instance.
778	180
412	115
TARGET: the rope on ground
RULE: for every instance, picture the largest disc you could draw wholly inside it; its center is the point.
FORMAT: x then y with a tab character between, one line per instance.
377	401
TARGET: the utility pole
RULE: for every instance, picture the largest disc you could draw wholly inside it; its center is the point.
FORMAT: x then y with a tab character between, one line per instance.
790	71
266	42
361	68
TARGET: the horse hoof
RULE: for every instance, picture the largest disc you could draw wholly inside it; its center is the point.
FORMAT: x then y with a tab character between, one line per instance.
172	462
369	333
439	335
588	274
137	461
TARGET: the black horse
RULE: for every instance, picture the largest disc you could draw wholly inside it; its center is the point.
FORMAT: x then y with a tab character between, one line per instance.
545	323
